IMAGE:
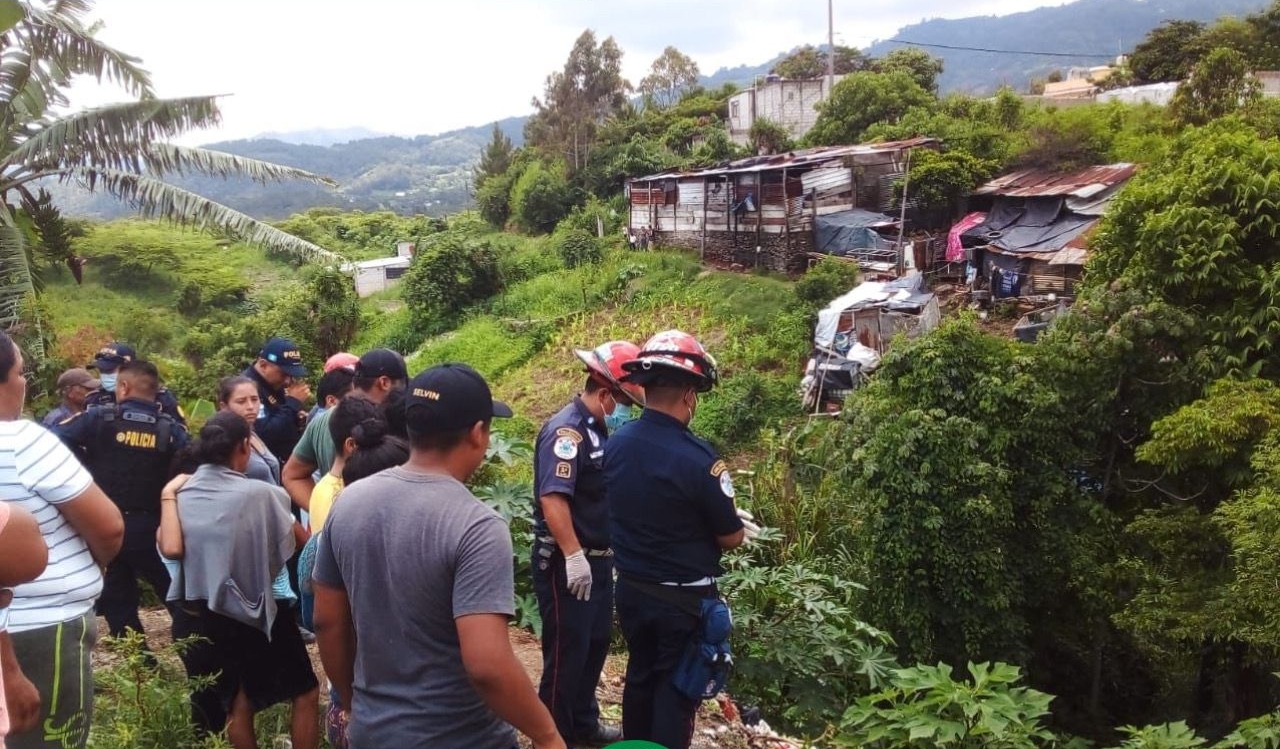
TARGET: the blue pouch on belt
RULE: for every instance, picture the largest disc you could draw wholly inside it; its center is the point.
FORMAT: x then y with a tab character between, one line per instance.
704	668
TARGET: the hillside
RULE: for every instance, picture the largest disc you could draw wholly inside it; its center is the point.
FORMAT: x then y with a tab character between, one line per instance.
426	174
1101	27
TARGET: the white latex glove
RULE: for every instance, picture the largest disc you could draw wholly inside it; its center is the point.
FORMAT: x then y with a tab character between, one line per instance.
748	524
578	570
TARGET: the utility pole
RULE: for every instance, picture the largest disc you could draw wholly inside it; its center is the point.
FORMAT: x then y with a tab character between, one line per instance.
831	46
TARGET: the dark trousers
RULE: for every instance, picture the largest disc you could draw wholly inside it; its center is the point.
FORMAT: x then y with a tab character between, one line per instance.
575	641
137	560
656	632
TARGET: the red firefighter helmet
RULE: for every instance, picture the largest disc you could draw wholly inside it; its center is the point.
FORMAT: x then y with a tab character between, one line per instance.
674	350
605	363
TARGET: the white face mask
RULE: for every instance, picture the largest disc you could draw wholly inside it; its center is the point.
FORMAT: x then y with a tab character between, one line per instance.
108	382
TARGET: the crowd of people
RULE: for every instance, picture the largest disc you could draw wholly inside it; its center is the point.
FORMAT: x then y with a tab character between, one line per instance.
353	520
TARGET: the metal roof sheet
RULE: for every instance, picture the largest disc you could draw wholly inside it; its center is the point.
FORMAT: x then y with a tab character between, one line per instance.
1039	183
803	157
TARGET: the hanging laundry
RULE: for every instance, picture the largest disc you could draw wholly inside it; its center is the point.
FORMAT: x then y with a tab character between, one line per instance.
1009	285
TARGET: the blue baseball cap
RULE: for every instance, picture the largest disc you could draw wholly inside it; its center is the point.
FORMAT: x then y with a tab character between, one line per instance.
111	356
284	353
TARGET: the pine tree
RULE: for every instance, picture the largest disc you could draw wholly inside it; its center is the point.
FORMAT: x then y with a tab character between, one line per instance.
496	158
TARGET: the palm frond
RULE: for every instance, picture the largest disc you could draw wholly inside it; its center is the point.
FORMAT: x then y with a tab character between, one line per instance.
16	290
167	158
114	136
40	54
155	198
74	48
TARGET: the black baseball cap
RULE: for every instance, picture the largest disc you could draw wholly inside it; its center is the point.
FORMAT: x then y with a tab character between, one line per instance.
284	353
111	356
382	362
449	397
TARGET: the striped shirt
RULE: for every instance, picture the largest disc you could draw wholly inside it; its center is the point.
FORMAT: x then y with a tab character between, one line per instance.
38	473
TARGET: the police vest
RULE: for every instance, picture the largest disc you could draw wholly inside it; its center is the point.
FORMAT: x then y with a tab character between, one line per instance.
130	456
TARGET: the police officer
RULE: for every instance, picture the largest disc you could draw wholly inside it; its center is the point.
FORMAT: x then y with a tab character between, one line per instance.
281	417
129	448
672	513
572	561
107	361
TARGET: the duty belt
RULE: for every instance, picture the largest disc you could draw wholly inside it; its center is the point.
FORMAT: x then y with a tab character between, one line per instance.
549	541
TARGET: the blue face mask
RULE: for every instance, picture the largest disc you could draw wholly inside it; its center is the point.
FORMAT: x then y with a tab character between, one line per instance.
621	415
108	381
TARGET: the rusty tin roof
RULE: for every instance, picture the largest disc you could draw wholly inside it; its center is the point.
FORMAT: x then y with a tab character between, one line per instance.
798	158
1038	183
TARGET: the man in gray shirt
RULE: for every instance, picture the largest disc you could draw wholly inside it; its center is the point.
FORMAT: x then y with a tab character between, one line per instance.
414	589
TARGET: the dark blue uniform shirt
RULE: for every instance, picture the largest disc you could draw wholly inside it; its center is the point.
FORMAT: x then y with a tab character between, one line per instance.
127	448
568	459
165	398
670	496
280	418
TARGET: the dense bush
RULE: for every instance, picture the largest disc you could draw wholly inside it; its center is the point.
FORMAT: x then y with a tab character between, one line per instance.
493	199
576	247
825	281
541	197
732	415
451	271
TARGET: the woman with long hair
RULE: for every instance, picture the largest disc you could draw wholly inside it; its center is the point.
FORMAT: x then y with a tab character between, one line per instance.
232	536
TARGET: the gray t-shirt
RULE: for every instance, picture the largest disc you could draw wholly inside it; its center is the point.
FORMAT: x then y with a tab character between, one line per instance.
413	552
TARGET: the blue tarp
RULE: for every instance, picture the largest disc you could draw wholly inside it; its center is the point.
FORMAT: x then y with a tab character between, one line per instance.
1033	225
844	232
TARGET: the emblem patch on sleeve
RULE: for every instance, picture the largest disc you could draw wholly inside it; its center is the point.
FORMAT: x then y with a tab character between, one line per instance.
565	448
721	472
564	470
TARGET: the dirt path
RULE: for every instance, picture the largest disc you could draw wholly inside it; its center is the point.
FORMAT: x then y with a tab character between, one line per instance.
713	730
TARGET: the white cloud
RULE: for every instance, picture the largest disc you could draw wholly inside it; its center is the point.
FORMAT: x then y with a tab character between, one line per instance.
425	66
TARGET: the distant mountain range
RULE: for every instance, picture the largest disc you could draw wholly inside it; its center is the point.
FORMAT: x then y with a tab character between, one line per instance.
321	136
432	173
1098	30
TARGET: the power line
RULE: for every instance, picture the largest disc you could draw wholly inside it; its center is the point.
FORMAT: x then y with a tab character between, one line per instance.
1001	51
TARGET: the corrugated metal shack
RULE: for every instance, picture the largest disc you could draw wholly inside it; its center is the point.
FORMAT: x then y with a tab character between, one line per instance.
1034	236
759	211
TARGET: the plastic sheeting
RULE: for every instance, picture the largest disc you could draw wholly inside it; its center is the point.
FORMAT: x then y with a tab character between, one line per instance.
955	248
905	294
841	233
1034	225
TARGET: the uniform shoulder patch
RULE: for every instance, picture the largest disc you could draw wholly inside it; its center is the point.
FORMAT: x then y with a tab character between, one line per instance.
721	472
565	448
564	470
569	433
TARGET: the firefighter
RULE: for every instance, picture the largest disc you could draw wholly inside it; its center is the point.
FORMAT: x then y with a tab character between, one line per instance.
572	559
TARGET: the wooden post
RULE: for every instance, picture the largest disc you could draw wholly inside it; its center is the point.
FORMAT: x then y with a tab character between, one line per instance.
703	249
786	214
902	219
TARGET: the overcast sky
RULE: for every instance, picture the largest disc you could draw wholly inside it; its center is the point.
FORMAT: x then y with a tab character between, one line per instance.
413	67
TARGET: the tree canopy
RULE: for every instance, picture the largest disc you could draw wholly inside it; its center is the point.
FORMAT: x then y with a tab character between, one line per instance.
810	62
670	75
578	100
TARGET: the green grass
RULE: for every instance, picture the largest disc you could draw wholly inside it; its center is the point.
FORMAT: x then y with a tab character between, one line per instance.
523	340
